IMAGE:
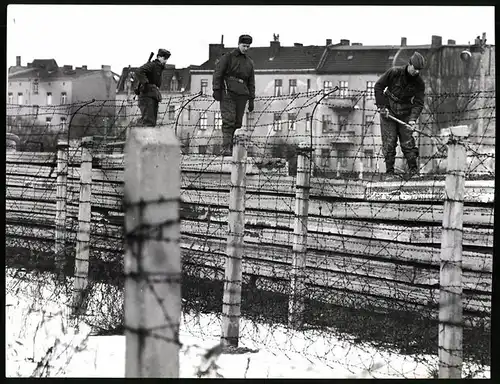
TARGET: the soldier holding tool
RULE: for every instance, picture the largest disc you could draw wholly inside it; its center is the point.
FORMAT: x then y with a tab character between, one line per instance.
149	77
400	91
233	85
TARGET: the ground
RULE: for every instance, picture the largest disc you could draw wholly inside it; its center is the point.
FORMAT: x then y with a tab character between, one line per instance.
41	343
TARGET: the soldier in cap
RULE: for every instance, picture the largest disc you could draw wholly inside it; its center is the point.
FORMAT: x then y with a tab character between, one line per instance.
149	77
233	85
400	92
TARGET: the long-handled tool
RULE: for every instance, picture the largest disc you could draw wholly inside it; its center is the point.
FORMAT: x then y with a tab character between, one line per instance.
436	141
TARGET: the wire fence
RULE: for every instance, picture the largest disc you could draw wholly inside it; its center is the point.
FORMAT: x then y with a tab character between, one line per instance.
372	250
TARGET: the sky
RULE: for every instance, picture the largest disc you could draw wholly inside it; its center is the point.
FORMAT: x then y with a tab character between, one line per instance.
122	35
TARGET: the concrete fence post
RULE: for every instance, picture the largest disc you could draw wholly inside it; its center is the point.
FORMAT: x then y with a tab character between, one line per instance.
83	235
152	253
231	304
61	196
450	294
298	278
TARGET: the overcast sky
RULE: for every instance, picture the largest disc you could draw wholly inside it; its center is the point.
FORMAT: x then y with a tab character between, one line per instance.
122	35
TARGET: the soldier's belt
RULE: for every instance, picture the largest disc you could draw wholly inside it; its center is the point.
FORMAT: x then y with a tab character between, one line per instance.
236	79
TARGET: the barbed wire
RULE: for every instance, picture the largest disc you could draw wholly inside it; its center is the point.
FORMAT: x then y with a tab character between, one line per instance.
372	249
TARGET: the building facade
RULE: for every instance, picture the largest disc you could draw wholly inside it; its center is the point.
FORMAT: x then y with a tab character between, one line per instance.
42	94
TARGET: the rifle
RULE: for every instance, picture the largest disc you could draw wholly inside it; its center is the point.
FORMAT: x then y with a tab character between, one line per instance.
138	88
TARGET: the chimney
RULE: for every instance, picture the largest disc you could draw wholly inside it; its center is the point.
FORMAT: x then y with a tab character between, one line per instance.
328	42
344	42
298	45
451	42
18	61
214	50
106	67
436	41
84	67
275	48
403	41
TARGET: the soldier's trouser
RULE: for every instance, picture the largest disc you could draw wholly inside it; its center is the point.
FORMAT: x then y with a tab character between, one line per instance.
232	109
149	111
391	131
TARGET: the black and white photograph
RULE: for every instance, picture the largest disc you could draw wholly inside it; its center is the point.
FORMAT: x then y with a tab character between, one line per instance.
250	191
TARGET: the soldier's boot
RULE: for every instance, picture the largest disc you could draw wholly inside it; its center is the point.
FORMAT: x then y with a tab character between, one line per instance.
413	170
389	172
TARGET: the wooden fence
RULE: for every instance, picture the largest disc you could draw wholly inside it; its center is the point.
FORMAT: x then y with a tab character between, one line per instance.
369	245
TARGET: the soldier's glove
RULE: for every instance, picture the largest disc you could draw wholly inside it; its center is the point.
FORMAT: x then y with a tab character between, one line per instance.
250	105
384	112
217	94
413	126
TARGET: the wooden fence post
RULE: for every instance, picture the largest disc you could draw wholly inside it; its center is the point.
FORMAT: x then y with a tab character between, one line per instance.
450	297
61	196
152	253
231	303
298	287
84	221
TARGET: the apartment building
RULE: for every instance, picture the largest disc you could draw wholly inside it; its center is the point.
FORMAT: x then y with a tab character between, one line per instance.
44	94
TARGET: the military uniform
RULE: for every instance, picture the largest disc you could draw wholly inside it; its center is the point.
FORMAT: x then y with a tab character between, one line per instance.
149	77
233	85
403	95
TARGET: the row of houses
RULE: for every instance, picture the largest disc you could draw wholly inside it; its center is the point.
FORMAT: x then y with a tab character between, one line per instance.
292	83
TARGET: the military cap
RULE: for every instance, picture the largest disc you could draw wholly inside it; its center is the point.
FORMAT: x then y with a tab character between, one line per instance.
417	60
164	53
245	39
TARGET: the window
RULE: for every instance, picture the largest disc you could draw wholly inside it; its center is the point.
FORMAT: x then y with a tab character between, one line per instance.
19	98
202	149
204	86
308	86
325	157
370	89
278	87
203	120
308	122
171	112
327	86
35	86
342	122
217	120
293	86
327	123
64	98
48	121
277	125
249	120
173	84
368	159
11	98
343	88
342	157
63	123
189	112
49	98
216	149
291	121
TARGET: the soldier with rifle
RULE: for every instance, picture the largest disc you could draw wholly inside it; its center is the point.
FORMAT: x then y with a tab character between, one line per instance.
149	77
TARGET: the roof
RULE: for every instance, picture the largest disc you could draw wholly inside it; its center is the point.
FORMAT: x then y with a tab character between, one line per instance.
295	57
366	59
181	74
47	69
